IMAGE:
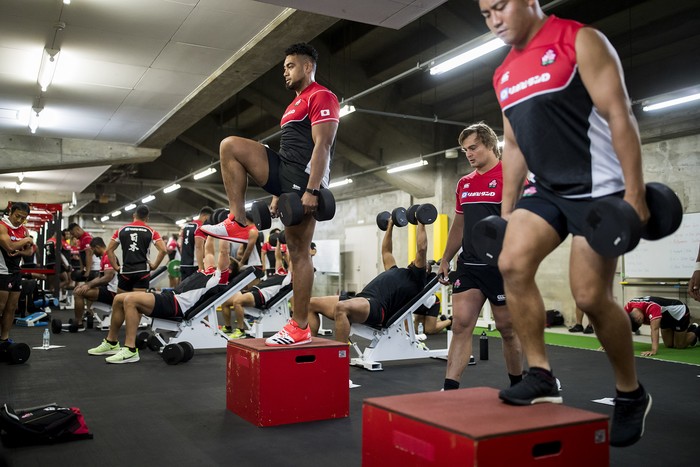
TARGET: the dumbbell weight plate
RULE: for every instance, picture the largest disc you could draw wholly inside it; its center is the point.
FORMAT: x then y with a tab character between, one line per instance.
398	216
411	214
153	343
219	215
173	354
383	220
426	214
261	215
56	326
326	206
142	340
487	238
665	209
19	353
612	227
188	350
290	209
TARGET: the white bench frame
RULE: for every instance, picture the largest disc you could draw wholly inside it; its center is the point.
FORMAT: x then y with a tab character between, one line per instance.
399	341
202	329
269	319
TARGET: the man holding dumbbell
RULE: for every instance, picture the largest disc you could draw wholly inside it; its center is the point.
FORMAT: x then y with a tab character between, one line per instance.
478	196
302	166
15	242
173	303
567	118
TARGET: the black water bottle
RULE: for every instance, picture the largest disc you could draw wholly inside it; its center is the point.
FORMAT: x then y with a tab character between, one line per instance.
483	346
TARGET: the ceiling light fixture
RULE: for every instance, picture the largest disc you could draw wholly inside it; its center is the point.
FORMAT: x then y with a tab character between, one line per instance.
49	60
468	56
116	213
338	183
347	109
181	221
104	218
171	188
409	166
34	117
148	198
646	107
451	153
66	2
129	207
204	173
18	186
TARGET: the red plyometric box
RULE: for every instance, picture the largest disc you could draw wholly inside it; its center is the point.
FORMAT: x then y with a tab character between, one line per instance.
473	427
279	385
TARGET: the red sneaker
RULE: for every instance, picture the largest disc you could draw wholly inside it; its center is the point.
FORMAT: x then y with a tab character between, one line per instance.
228	230
290	334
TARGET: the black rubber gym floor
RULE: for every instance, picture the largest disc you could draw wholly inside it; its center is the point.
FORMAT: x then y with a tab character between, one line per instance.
152	414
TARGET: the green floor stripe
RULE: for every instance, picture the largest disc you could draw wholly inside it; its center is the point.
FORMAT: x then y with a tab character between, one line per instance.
690	356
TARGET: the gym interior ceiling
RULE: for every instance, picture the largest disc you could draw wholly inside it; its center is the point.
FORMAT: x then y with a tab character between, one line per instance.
145	90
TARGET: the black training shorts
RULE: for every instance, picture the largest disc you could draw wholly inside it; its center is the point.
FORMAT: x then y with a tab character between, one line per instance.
479	276
284	177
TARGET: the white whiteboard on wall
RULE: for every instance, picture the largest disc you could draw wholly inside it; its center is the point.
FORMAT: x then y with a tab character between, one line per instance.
672	257
327	257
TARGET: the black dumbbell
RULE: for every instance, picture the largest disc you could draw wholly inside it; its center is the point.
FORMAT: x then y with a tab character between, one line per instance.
153	343
142	340
177	353
397	216
423	213
57	326
219	215
291	211
487	238
260	214
612	226
14	352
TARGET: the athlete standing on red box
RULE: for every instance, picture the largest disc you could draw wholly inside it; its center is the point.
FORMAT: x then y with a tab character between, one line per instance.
302	166
568	119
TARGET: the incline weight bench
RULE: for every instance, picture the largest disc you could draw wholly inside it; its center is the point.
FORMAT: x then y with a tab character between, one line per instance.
397	340
200	325
98	307
273	316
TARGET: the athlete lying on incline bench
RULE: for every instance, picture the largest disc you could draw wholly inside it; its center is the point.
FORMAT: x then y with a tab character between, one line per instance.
382	297
167	304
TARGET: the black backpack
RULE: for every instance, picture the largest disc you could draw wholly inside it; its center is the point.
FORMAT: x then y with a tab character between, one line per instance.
45	424
554	318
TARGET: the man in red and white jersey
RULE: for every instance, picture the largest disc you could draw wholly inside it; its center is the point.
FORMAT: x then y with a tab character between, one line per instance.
100	289
667	316
302	166
568	120
478	196
15	243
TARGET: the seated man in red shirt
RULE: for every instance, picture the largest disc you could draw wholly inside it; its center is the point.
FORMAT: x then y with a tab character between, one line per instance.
670	316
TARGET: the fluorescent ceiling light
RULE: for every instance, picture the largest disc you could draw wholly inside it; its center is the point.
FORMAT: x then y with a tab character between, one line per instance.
339	183
104	218
34	118
248	205
116	213
409	166
129	207
171	188
18	187
181	221
346	110
66	2
49	60
468	56
9	113
671	102
204	173
148	198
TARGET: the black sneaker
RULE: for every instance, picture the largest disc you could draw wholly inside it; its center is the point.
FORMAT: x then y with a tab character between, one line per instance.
588	330
535	388
576	328
627	425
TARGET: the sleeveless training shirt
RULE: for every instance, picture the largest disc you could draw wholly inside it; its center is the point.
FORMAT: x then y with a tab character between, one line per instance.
566	143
